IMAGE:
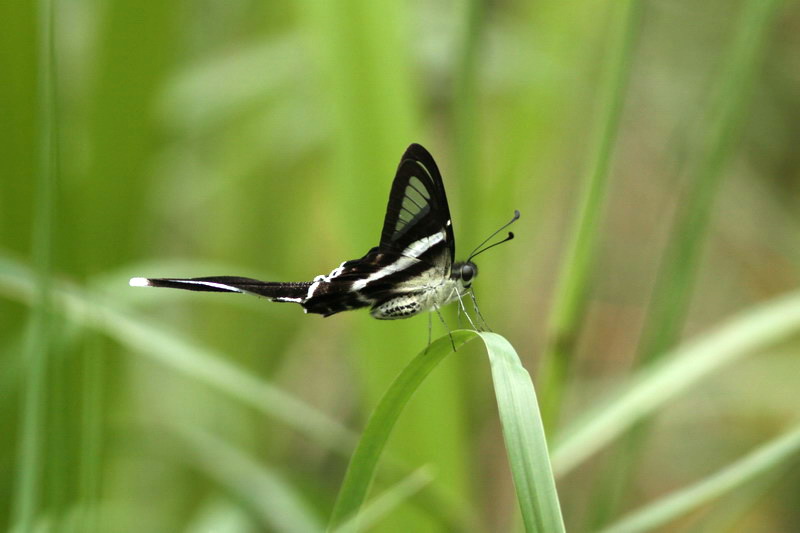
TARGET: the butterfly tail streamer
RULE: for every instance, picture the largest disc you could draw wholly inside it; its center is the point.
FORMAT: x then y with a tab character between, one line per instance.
275	291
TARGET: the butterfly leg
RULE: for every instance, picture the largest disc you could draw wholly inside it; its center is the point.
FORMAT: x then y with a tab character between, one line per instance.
452	342
478	311
466	314
430	329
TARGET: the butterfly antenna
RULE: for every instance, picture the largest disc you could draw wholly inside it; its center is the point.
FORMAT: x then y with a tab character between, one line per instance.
478	250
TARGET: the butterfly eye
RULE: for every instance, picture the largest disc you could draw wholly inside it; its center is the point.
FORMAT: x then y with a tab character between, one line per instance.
468	272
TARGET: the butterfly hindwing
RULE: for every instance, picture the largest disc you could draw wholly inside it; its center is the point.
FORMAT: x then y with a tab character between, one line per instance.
276	291
364	282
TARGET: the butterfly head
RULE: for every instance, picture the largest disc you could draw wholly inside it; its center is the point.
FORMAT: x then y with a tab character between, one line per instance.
464	273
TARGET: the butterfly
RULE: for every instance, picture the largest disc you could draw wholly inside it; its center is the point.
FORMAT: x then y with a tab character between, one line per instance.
411	271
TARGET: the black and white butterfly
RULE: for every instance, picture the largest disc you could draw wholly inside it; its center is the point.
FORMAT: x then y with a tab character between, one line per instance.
411	271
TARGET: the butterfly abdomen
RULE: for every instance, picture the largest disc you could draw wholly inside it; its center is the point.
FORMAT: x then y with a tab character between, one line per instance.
399	307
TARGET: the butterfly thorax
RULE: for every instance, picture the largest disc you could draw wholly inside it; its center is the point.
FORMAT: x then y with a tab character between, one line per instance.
428	296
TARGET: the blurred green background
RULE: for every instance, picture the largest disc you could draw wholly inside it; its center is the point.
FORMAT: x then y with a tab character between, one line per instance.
260	139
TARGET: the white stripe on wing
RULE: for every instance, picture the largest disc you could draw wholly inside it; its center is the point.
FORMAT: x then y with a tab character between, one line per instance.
409	258
402	263
324	279
417	248
207	284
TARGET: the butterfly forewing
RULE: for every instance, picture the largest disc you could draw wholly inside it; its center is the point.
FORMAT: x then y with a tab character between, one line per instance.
417	222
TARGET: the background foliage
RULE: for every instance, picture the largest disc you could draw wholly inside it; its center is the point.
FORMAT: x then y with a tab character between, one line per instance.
650	146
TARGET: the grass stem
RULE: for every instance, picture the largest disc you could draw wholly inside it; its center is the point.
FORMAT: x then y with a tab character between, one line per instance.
27	495
570	296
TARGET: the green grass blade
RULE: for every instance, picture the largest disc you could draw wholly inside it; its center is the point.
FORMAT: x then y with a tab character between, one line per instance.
760	461
169	348
738	505
683	367
26	499
526	444
519	415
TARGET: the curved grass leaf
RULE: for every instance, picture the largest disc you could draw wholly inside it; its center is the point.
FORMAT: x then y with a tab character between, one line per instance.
751	331
526	444
765	458
269	495
519	415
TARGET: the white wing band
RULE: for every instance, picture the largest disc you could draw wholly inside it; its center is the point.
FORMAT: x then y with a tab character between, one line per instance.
417	248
